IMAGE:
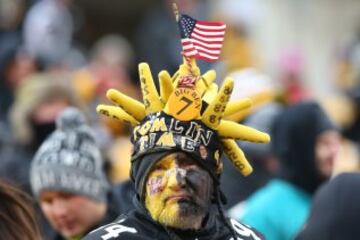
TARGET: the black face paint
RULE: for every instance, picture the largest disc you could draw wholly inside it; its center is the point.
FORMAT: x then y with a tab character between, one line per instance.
198	184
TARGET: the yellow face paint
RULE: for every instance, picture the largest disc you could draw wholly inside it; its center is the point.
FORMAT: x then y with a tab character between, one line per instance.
169	197
161	211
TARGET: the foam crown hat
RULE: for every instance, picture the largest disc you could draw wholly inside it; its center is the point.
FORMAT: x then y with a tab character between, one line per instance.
187	115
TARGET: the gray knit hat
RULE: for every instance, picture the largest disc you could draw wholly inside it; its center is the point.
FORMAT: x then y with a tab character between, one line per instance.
69	160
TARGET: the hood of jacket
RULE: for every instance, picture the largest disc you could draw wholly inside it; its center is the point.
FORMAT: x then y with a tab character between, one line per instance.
294	136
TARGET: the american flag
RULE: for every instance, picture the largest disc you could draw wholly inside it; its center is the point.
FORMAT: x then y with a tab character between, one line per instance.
202	40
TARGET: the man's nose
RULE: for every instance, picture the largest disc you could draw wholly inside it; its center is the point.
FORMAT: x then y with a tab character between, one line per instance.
59	208
177	179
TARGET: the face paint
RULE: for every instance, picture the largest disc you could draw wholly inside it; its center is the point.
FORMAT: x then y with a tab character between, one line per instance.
178	192
155	185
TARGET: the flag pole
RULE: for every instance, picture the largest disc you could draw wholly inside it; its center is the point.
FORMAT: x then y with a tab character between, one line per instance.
177	17
176	11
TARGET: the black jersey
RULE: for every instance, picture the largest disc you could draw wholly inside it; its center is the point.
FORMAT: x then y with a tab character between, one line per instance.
138	225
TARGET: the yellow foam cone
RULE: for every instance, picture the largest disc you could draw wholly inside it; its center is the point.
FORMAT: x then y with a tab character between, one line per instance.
151	97
205	82
239	116
130	105
116	113
166	87
237	106
228	129
237	157
211	93
214	112
175	78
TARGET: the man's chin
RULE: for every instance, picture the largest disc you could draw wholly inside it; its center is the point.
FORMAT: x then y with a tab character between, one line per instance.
182	216
70	233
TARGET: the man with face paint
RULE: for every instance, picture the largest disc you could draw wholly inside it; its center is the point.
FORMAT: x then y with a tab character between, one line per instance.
179	136
178	192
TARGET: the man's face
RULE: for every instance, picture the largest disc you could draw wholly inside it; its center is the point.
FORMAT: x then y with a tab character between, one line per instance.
71	215
178	192
326	152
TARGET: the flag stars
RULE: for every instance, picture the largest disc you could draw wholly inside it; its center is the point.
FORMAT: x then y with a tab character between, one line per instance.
202	40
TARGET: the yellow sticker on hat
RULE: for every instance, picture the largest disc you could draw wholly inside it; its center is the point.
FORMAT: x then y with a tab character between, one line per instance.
184	104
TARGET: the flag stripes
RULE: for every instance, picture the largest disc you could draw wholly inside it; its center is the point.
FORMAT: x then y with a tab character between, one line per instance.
202	40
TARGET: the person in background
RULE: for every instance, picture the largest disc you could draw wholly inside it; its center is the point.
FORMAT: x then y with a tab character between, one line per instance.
291	66
68	179
47	31
17	215
307	144
110	64
38	101
335	212
16	65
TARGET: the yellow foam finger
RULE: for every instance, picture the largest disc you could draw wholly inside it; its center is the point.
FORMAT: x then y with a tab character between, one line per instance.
236	106
166	87
151	97
239	116
214	112
130	105
211	93
262	98
228	129
237	157
205	82
175	78
116	113
258	100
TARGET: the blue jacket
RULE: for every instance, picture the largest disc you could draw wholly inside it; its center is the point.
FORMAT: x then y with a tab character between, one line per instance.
278	210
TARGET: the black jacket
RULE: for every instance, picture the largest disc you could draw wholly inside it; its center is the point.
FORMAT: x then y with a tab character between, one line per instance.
119	202
138	225
335	214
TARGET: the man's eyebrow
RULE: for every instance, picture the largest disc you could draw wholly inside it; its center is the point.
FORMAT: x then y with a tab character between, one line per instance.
183	158
165	161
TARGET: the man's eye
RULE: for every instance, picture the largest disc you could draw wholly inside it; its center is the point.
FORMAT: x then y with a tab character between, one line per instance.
47	200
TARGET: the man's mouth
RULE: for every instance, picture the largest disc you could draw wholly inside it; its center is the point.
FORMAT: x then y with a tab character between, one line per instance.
66	225
178	197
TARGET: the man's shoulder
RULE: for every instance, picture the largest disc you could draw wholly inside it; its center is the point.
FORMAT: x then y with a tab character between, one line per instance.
121	228
244	231
131	226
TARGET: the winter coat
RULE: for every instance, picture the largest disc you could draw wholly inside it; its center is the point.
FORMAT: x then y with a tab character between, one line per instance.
335	214
138	225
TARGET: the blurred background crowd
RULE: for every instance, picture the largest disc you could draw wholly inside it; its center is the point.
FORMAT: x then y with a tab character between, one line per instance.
60	53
